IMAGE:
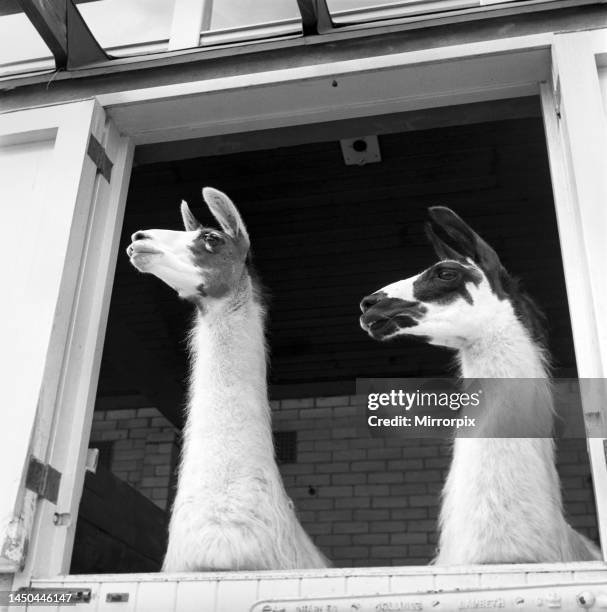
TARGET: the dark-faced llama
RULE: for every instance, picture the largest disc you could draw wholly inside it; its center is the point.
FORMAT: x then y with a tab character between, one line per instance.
501	502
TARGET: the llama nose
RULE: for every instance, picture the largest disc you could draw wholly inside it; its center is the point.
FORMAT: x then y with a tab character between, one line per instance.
139	236
371	300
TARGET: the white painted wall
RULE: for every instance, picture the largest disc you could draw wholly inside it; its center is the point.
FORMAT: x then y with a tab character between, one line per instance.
24	309
540	586
44	174
603	84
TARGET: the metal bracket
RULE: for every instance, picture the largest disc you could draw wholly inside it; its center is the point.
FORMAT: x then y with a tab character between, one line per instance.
92	460
117	597
557	97
43	479
97	153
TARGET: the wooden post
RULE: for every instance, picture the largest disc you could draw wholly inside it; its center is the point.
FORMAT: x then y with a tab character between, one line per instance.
65	32
315	16
190	18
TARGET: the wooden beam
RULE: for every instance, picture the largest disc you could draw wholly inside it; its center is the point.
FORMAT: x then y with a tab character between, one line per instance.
12	7
118	528
190	18
315	16
83	48
65	32
49	19
126	352
425	119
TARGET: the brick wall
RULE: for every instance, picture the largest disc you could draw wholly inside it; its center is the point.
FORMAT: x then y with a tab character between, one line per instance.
374	501
365	501
144	449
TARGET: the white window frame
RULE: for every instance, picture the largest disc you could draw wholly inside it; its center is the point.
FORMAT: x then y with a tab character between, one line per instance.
412	11
475	72
576	132
62	198
191	21
189	29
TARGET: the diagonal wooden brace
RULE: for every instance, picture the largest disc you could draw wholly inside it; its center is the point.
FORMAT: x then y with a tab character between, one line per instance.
65	32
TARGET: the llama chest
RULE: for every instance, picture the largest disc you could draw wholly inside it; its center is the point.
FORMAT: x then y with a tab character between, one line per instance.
501	498
222	471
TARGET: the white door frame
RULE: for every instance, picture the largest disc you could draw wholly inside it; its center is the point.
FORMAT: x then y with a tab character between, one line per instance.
66	402
40	304
422	79
576	134
430	78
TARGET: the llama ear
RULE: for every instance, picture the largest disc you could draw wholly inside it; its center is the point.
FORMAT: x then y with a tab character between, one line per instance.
441	248
459	238
190	222
226	213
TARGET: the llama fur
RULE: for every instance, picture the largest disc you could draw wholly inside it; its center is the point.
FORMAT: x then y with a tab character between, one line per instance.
501	502
231	511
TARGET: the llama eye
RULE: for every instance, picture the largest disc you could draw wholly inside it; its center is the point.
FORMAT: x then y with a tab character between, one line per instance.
212	239
447	275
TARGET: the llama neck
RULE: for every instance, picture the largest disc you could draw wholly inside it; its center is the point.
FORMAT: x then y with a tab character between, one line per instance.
510	369
504	350
498	479
228	391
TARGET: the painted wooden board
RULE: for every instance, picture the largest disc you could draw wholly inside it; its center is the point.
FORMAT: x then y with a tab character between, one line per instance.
118	527
43	151
500	587
513	599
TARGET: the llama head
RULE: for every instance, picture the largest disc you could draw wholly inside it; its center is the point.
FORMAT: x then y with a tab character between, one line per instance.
455	301
203	264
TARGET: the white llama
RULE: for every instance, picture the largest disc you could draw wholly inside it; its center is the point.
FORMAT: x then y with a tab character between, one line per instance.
502	501
231	511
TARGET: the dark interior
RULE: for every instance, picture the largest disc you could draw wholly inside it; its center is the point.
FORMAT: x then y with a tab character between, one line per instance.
325	234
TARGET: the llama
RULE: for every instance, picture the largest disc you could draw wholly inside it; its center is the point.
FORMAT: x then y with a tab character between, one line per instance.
501	502
231	511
